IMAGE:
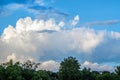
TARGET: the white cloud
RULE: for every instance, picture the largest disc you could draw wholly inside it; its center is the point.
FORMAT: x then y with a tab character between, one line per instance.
44	40
28	25
50	65
38	8
96	66
12	56
14	6
75	20
16	58
86	39
10	8
25	39
115	35
61	24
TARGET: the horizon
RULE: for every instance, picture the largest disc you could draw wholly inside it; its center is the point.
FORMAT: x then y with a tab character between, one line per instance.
48	31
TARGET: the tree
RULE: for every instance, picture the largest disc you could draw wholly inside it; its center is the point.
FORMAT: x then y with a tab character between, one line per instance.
13	71
2	73
86	74
42	75
69	69
117	70
106	75
29	69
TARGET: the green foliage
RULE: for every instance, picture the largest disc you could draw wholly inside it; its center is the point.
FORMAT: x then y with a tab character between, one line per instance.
2	73
69	69
42	75
13	71
117	70
86	74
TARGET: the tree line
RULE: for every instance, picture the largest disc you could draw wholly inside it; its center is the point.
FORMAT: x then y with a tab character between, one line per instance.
69	70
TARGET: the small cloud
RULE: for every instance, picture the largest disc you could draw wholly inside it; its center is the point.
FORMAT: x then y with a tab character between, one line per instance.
75	21
115	35
14	6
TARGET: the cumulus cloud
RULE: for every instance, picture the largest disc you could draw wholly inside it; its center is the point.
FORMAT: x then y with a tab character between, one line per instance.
46	40
50	65
29	38
96	66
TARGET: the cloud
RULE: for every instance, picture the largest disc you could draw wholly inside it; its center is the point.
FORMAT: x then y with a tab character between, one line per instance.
42	12
96	66
44	40
36	7
115	35
50	65
75	20
12	56
97	23
29	38
39	2
108	51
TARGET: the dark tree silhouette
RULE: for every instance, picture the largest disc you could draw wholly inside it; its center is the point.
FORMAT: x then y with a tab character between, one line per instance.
69	69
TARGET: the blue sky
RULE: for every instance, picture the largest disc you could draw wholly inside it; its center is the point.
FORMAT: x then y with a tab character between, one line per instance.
89	11
49	30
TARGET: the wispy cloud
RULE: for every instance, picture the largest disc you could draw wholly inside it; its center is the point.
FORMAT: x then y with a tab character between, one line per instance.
46	12
75	21
37	7
99	23
39	2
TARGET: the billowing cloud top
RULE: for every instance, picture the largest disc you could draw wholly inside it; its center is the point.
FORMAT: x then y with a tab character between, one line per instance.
46	40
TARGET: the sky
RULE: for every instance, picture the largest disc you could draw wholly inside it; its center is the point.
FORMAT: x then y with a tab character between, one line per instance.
47	31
